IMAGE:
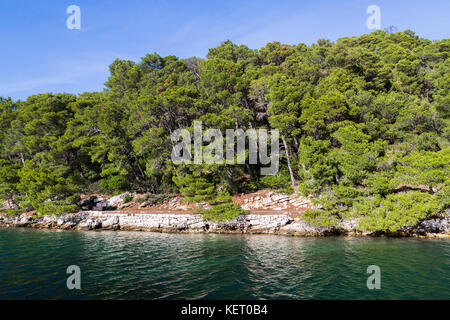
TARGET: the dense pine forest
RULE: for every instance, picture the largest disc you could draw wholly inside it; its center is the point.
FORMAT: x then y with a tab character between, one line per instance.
364	129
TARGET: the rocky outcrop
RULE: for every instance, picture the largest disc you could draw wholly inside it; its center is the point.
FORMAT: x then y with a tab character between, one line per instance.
435	225
259	200
97	203
8	205
280	224
270	200
176	203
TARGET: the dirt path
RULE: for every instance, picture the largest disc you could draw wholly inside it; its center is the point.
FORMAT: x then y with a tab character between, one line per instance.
262	202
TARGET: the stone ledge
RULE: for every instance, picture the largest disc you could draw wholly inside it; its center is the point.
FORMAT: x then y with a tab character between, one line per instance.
281	224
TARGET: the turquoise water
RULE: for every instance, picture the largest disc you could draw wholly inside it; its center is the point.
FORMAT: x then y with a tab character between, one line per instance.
138	265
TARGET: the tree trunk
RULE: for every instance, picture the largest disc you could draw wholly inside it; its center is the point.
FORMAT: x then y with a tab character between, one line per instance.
229	176
139	166
288	161
21	158
249	170
297	148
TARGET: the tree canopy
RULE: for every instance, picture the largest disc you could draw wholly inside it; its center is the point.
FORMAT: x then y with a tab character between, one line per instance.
364	125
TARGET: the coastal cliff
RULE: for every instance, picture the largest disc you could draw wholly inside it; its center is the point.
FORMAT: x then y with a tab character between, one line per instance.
268	212
181	222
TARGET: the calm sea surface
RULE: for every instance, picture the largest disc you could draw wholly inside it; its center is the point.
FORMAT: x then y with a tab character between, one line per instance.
140	265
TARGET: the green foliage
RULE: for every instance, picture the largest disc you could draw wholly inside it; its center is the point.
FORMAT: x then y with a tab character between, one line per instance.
361	119
42	182
155	199
397	210
117	183
12	212
356	156
280	182
9	178
56	208
195	189
320	218
430	169
127	198
199	190
221	212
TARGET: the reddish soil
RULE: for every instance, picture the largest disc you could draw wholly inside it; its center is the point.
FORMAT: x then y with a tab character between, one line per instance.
239	198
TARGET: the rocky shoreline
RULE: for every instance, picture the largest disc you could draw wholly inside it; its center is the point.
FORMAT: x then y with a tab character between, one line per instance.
183	222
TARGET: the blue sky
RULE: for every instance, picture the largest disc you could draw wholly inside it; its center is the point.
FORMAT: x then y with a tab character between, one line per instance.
39	54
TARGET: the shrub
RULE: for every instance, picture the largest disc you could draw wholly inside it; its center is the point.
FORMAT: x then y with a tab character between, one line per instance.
154	199
140	200
127	198
397	210
13	212
56	208
118	183
280	181
101	186
195	189
221	212
73	199
320	218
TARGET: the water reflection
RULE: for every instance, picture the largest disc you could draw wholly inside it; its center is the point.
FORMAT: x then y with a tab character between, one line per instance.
138	265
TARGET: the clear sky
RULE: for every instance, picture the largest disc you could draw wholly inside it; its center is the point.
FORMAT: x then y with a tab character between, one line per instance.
40	54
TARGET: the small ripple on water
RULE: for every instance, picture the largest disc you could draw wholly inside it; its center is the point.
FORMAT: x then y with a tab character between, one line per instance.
133	265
